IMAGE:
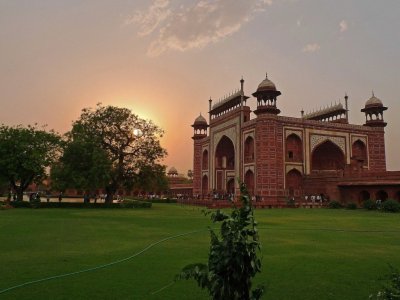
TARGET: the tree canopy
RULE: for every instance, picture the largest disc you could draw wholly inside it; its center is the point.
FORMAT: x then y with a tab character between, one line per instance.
109	146
25	154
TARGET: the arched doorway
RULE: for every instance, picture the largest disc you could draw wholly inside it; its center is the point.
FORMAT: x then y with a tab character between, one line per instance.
364	195
293	182
204	185
359	153
204	161
230	186
398	196
249	150
294	148
249	181
224	161
327	157
381	195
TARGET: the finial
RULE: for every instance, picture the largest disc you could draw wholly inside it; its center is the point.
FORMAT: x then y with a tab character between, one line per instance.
266	74
241	80
345	96
373	93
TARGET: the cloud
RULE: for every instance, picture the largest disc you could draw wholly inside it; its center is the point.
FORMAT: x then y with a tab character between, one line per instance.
194	27
311	48
343	26
149	20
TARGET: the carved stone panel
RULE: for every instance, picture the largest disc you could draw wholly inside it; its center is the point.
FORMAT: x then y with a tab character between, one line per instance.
317	139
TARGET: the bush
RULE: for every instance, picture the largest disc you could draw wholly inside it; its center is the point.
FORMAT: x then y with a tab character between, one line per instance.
351	205
369	204
167	200
391	289
335	205
232	259
123	204
135	204
19	204
391	206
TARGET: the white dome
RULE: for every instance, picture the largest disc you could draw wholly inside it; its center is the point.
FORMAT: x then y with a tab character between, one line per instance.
266	85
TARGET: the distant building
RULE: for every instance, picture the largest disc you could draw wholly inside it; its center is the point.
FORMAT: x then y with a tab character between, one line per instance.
179	185
281	157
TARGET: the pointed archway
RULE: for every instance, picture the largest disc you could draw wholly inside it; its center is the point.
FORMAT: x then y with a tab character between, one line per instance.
204	185
327	157
249	181
224	161
293	182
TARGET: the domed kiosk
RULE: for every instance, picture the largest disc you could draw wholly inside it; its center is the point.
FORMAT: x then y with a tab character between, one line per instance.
373	110
200	127
266	95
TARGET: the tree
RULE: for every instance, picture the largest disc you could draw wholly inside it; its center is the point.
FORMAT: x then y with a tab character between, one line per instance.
152	179
232	260
25	154
83	166
125	144
190	174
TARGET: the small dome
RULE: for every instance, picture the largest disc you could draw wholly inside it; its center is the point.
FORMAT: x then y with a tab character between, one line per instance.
172	171
373	101
266	85
200	120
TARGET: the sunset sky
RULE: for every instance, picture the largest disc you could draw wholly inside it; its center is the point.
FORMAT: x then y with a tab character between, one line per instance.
165	59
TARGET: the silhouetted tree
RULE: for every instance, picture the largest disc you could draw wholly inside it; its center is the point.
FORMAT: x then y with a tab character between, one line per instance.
25	154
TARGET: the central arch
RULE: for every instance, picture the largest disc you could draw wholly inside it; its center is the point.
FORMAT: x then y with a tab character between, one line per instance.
327	156
224	161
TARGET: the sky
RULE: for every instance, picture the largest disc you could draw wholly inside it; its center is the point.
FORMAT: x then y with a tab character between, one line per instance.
164	59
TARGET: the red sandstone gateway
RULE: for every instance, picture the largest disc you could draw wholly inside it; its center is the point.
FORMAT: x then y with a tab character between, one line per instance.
318	156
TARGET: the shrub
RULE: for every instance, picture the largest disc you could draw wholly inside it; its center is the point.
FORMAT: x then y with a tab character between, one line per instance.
19	204
135	204
123	204
351	205
369	204
232	260
391	290
391	206
335	205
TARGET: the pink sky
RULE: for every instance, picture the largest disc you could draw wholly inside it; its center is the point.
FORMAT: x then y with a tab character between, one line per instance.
164	59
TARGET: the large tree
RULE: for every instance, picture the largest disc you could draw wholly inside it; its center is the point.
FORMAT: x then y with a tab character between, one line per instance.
84	165
125	144
152	179
25	154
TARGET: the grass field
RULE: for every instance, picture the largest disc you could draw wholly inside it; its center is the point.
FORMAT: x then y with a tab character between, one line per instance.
307	253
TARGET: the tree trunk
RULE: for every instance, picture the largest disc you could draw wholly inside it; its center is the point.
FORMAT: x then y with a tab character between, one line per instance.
20	194
109	198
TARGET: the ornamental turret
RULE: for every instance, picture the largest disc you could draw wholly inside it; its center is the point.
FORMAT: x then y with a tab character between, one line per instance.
266	95
199	128
374	112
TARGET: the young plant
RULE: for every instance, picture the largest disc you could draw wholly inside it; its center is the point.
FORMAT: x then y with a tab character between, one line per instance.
232	260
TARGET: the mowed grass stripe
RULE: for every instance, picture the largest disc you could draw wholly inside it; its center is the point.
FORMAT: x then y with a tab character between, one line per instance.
304	254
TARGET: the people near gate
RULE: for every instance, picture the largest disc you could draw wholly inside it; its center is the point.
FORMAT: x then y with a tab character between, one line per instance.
378	203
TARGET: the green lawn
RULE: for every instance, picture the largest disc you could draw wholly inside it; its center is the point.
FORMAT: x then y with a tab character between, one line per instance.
307	253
